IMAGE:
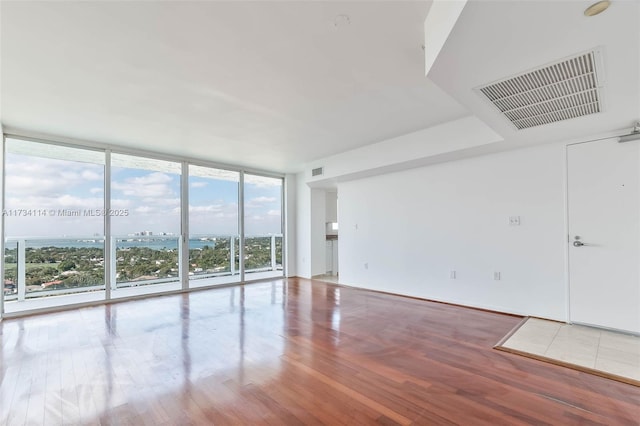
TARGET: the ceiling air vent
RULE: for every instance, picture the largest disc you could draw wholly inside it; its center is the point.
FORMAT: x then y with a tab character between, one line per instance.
318	171
556	92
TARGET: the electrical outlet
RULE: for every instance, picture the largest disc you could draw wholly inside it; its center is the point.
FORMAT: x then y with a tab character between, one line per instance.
514	220
452	275
496	276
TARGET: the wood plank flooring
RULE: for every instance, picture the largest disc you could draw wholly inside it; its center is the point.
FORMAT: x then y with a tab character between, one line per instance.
288	352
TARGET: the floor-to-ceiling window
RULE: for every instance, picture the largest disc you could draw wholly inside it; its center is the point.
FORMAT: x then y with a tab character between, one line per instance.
262	226
85	224
145	225
214	237
54	224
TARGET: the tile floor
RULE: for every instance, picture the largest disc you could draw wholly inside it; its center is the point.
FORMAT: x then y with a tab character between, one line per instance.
603	350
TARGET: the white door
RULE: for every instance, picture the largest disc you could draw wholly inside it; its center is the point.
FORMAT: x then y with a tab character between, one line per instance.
604	234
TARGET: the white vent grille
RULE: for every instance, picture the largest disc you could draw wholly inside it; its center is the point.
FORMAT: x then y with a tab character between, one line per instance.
556	92
319	171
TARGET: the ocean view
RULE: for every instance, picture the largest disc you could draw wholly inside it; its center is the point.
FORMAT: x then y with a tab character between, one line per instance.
162	243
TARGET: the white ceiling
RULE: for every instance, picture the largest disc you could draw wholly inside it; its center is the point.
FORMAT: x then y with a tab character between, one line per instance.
273	85
497	39
270	85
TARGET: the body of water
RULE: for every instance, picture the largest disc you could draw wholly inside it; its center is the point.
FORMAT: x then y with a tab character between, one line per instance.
169	243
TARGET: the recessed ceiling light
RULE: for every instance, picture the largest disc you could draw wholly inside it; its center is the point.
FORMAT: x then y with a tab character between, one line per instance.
597	8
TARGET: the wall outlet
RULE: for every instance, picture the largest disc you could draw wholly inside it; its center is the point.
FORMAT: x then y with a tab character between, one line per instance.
496	276
514	220
452	275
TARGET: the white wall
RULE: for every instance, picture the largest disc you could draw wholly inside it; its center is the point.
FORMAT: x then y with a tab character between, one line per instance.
318	231
303	227
413	149
332	206
415	226
290	206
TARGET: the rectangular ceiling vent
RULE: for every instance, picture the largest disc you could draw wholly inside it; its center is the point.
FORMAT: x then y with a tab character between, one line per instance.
318	171
556	92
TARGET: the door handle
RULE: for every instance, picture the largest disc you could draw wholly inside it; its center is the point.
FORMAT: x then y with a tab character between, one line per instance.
578	243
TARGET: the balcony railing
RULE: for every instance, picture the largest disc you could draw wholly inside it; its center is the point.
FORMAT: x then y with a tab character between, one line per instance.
37	267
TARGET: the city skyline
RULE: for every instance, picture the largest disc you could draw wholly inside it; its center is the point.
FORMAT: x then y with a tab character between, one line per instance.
142	199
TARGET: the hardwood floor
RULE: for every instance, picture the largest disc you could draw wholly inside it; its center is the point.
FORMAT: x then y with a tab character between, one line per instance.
288	352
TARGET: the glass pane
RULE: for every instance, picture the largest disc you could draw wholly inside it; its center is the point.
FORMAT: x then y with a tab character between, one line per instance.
263	227
10	270
54	225
213	226
145	226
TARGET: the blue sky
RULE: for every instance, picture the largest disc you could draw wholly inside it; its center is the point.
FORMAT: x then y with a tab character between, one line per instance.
152	198
36	184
